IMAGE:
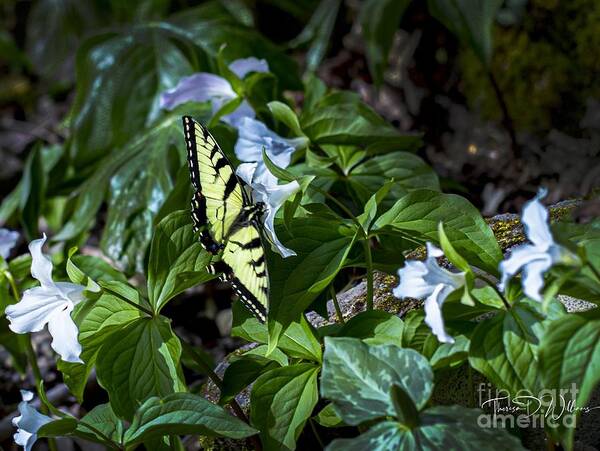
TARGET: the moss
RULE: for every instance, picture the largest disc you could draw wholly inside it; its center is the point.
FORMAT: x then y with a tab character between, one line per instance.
546	66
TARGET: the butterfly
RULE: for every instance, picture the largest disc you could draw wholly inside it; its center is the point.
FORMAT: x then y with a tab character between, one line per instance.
228	221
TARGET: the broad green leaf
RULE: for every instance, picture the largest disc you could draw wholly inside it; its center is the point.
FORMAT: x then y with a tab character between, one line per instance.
504	348
177	260
322	250
183	414
139	362
318	33
241	373
358	378
419	212
285	114
297	341
570	358
408	171
448	354
102	419
58	428
281	402
441	427
146	60
374	327
369	214
379	20
107	315
33	193
328	417
471	21
351	122
450	253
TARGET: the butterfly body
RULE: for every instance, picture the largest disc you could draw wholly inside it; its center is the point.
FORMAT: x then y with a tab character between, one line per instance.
228	221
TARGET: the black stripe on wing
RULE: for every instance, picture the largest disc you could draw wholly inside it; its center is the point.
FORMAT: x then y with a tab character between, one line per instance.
246	297
201	224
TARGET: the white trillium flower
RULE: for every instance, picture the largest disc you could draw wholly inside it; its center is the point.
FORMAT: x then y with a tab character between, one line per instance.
430	281
28	423
265	189
51	303
538	257
204	86
253	136
8	239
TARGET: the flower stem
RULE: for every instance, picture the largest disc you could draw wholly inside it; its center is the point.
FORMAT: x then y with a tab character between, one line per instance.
495	288
369	262
13	285
336	305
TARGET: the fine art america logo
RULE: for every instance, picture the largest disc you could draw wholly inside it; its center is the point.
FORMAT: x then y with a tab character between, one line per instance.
548	408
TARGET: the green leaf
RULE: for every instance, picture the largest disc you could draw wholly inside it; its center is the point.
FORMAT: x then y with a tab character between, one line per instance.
449	354
297	341
318	32
374	327
379	20
33	193
450	253
419	212
405	408
285	114
106	114
570	359
504	348
58	428
281	402
183	414
139	362
241	373
328	417
177	260
408	171
358	378
442	427
321	253
351	122
471	21
102	419
280	173
106	316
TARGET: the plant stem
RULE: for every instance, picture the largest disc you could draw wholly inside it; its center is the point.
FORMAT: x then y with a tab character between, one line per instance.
506	119
316	433
13	285
124	299
369	262
342	207
495	288
336	305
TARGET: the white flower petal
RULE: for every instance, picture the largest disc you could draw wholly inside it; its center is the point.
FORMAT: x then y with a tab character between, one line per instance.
71	291
246	171
420	279
269	225
241	112
28	423
8	239
278	194
253	136
41	266
31	313
535	221
199	87
533	278
412	283
243	66
64	335
433	312
518	258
